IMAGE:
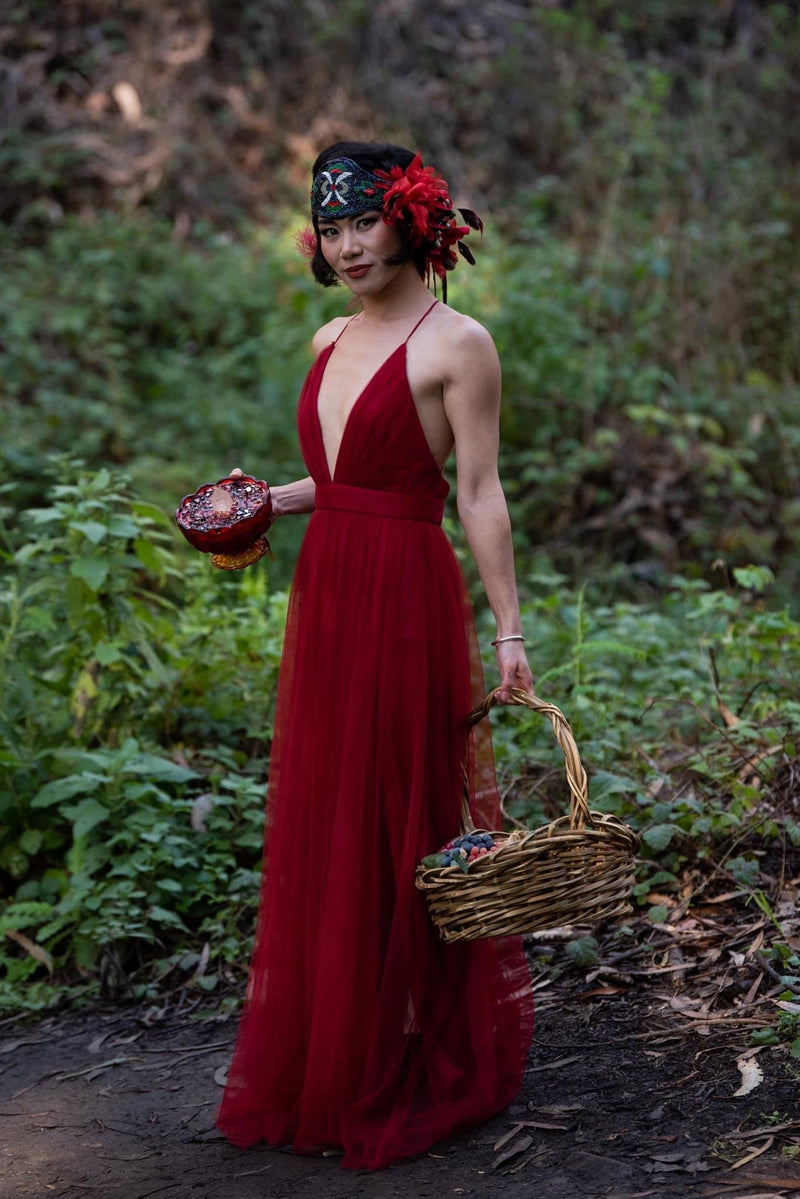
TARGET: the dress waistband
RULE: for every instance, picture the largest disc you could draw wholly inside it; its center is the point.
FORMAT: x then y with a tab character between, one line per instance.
339	497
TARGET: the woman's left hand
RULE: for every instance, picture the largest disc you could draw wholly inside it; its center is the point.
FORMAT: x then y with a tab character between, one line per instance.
512	664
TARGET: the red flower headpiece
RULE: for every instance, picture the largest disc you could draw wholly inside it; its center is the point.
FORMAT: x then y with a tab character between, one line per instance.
420	195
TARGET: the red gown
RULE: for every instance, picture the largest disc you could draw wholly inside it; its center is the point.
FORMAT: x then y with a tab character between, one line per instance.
361	1028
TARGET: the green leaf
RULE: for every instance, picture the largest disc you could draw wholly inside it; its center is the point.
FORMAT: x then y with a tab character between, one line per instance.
66	788
658	913
43	515
123	526
148	555
31	840
764	1036
744	870
85	816
150	512
91	529
13	860
162	916
93	571
611	784
160	769
24	914
583	951
658	836
106	653
753	578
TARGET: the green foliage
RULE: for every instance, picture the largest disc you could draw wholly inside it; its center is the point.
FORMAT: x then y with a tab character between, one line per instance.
615	458
583	952
121	345
134	699
640	280
686	713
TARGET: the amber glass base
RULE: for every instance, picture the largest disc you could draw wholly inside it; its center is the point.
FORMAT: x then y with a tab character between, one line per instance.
244	557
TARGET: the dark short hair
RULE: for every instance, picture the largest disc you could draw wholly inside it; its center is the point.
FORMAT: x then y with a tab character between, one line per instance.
372	156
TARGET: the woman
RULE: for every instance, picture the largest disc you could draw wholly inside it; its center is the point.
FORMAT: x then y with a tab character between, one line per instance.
361	1029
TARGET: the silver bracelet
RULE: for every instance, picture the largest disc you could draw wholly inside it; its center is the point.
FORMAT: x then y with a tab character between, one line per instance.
512	637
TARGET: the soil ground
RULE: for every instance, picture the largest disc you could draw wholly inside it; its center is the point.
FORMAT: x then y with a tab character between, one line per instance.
629	1092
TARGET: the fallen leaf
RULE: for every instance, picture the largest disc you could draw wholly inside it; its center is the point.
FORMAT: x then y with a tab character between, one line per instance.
30	947
767	1144
10	1046
512	1132
752	1076
201	965
519	1146
562	1061
556	1109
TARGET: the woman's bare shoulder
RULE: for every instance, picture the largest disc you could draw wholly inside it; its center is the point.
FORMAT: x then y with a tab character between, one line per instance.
461	338
327	333
458	328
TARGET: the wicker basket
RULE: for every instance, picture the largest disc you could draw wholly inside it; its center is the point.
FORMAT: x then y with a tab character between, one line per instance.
576	870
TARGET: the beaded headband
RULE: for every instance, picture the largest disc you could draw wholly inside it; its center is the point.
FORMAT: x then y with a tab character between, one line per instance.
415	195
344	189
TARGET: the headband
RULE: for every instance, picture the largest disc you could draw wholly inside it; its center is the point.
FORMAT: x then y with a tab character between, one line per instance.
343	188
416	195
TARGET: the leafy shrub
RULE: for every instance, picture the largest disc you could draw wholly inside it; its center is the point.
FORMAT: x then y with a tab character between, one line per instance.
686	713
129	692
136	703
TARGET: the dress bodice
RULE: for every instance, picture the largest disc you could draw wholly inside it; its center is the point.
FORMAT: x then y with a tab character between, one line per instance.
383	445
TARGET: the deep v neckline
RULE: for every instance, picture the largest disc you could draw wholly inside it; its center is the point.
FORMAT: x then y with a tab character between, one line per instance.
381	367
357	401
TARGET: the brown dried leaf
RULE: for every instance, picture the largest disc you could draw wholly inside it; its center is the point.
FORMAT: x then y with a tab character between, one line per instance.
512	1132
767	1144
30	947
519	1146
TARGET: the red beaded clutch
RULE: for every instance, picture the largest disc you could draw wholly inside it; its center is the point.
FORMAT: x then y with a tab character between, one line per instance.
228	520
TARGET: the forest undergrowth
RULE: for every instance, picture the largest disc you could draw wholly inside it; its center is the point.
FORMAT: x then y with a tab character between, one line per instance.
640	279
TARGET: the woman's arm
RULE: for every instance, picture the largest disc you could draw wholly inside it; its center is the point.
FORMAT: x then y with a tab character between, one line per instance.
288	499
472	405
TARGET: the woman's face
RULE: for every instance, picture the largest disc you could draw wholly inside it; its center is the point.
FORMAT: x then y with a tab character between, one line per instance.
356	249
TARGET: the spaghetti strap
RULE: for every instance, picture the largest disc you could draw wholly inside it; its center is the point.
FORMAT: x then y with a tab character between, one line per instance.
419	322
347	325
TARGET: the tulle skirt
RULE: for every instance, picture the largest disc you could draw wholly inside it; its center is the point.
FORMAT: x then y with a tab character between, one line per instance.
361	1029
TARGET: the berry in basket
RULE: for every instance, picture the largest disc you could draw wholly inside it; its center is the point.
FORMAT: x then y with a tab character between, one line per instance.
462	851
228	520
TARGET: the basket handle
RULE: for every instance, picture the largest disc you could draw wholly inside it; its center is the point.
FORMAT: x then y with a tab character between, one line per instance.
579	815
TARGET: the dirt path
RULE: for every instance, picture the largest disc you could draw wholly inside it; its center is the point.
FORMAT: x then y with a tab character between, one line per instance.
629	1093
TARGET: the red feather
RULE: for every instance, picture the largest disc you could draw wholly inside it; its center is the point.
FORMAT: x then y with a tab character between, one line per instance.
306	242
421	194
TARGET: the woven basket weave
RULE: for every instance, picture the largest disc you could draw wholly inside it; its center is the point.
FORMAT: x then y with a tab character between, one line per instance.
578	869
